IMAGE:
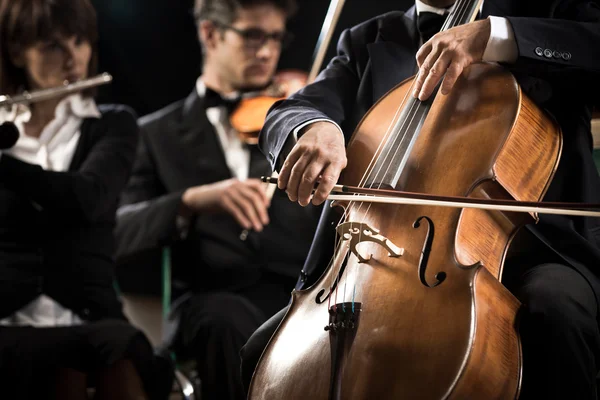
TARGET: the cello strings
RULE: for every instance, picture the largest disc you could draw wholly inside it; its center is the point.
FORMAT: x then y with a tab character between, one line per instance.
457	14
451	20
417	104
358	205
351	204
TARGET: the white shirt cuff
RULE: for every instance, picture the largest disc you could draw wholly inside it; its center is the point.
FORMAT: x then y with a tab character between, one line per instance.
312	121
501	46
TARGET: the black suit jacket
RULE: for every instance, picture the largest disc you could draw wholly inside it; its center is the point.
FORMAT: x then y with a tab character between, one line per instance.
376	55
180	149
56	228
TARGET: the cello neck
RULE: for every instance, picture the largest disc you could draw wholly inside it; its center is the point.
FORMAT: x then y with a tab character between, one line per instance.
464	12
402	135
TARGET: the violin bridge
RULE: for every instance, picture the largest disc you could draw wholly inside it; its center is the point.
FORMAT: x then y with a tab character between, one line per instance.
356	233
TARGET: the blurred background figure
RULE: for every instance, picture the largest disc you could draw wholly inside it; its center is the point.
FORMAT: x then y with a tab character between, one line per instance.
61	324
236	252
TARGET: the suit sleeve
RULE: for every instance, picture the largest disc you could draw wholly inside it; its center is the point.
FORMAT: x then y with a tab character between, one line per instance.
146	218
330	97
562	47
88	193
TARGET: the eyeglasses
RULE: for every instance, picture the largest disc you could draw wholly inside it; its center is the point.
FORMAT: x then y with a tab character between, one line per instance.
255	38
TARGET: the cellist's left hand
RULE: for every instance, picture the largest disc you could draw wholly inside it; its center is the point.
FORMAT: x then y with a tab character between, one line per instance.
449	53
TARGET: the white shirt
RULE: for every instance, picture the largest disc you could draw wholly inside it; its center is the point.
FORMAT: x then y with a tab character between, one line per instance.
53	151
237	154
420	7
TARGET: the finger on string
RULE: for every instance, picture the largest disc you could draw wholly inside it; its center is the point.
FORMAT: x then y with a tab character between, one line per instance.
423	53
424	71
435	75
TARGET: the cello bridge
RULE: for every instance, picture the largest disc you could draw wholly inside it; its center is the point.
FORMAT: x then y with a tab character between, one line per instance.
356	233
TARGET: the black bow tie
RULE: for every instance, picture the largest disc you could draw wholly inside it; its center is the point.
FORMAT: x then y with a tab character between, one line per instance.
214	99
429	23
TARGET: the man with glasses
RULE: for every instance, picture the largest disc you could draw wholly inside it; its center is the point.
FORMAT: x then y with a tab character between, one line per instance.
195	188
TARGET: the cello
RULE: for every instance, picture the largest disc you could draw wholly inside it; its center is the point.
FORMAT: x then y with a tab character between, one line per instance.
411	305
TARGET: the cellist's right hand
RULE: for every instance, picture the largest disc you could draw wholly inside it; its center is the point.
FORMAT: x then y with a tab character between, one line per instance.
319	155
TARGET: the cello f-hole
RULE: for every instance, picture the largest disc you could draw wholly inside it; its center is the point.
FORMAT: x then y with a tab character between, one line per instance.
440	276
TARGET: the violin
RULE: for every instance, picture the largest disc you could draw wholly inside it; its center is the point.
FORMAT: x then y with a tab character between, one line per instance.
249	116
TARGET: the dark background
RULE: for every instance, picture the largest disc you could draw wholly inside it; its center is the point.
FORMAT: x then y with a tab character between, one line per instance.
151	49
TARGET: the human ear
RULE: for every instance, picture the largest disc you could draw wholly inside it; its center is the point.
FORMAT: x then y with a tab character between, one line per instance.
209	34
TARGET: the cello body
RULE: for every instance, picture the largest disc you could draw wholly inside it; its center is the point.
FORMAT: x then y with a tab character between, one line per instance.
420	311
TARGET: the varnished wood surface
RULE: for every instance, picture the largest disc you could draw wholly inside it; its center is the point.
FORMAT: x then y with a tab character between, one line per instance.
415	341
456	340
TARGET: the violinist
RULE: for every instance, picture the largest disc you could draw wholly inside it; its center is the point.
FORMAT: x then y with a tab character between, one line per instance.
195	188
550	47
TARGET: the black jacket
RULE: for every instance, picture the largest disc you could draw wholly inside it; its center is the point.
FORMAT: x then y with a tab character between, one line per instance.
180	149
376	55
56	228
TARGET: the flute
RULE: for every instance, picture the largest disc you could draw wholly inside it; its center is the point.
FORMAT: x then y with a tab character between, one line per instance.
45	94
9	134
